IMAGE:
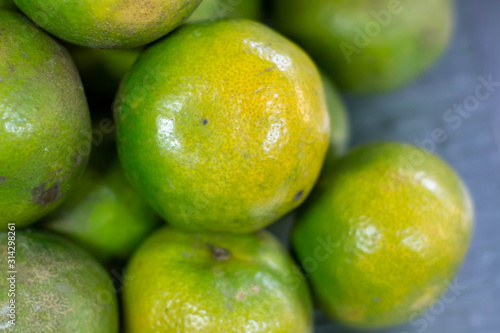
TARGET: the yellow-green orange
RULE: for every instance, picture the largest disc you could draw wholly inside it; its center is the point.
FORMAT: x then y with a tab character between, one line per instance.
58	287
216	9
369	45
104	214
108	23
44	122
183	282
384	234
223	126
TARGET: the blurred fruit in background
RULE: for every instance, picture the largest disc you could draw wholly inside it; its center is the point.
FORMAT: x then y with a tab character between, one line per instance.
368	46
60	287
109	24
339	123
212	283
215	9
102	70
383	236
223	126
7	4
44	122
104	215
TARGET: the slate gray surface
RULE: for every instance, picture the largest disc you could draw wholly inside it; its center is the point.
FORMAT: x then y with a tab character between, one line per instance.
472	148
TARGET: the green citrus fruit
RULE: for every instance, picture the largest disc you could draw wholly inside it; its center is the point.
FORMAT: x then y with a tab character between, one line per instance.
369	45
58	287
104	214
183	282
108	23
44	122
222	126
215	9
384	234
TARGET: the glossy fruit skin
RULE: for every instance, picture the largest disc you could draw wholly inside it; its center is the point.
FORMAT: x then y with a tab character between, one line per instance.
59	287
369	46
397	222
44	122
104	215
216	9
183	282
222	126
108	24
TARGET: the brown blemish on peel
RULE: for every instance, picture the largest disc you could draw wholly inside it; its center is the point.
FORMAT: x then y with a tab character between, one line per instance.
3	178
45	197
298	195
219	253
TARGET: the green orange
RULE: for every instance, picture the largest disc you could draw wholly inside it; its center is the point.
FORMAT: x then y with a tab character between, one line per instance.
104	214
216	9
223	126
57	287
369	46
384	234
45	128
108	23
212	283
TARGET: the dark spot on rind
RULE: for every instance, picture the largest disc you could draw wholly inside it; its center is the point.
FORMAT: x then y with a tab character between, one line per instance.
204	122
219	253
77	159
45	197
3	178
298	195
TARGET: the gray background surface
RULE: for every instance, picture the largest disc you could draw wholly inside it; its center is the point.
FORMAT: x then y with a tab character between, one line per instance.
473	149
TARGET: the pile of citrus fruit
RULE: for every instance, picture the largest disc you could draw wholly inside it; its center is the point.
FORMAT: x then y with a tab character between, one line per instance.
222	126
